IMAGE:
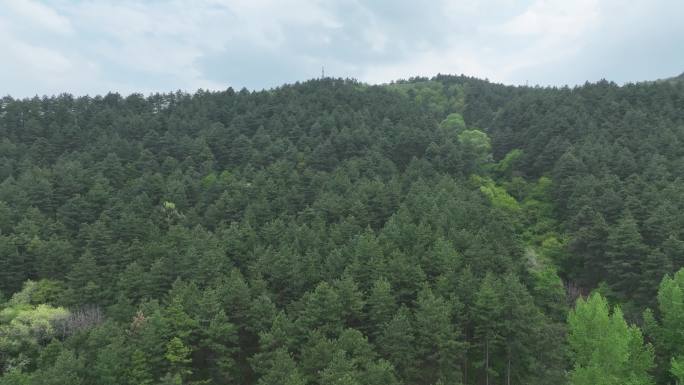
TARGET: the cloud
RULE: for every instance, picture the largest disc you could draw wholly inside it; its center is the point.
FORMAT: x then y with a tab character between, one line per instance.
90	47
554	18
38	15
498	46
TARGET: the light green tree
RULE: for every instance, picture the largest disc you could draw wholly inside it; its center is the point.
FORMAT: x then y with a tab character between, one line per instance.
605	350
477	150
666	331
677	368
25	328
139	371
178	356
453	123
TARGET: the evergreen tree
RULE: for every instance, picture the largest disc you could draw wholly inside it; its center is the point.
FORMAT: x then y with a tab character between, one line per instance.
333	231
397	344
280	369
381	306
625	252
139	372
13	270
84	282
488	317
178	357
437	342
587	263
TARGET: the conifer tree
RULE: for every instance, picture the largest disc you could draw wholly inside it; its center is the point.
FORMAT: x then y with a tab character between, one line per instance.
381	306
625	252
437	342
488	317
397	344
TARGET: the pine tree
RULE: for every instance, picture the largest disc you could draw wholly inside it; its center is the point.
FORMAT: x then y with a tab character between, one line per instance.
526	334
587	264
13	271
83	282
178	357
138	373
111	364
351	299
220	342
437	342
655	266
340	371
625	252
324	310
381	306
280	369
397	344
67	369
380	373
488	317
566	169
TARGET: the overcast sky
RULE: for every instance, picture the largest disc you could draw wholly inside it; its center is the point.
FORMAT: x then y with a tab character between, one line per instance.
92	47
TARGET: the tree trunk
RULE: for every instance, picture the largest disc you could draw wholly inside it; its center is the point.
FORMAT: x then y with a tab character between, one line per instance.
487	362
465	359
508	370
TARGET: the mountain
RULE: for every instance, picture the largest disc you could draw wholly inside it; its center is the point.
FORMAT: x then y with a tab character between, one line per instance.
431	230
673	79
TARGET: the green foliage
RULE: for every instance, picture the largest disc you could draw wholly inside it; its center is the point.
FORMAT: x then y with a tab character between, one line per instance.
548	290
453	123
25	328
178	356
506	165
381	306
625	252
67	369
335	232
280	369
13	267
497	195
477	149
605	350
37	292
431	95
677	368
397	343
665	330
139	371
436	343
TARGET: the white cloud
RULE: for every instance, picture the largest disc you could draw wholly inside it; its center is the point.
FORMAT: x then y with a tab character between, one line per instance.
37	58
544	32
557	19
134	45
37	15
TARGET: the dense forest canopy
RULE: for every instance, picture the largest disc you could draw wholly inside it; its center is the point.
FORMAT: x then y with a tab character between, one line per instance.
429	231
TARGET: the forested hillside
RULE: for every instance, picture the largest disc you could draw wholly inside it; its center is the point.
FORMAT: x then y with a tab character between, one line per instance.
431	231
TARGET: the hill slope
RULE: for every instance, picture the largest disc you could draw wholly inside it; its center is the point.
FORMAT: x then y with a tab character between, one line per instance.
330	231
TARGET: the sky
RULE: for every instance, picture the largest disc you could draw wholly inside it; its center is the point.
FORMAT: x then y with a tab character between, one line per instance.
94	47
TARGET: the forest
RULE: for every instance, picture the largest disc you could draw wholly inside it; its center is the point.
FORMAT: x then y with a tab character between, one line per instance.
444	230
